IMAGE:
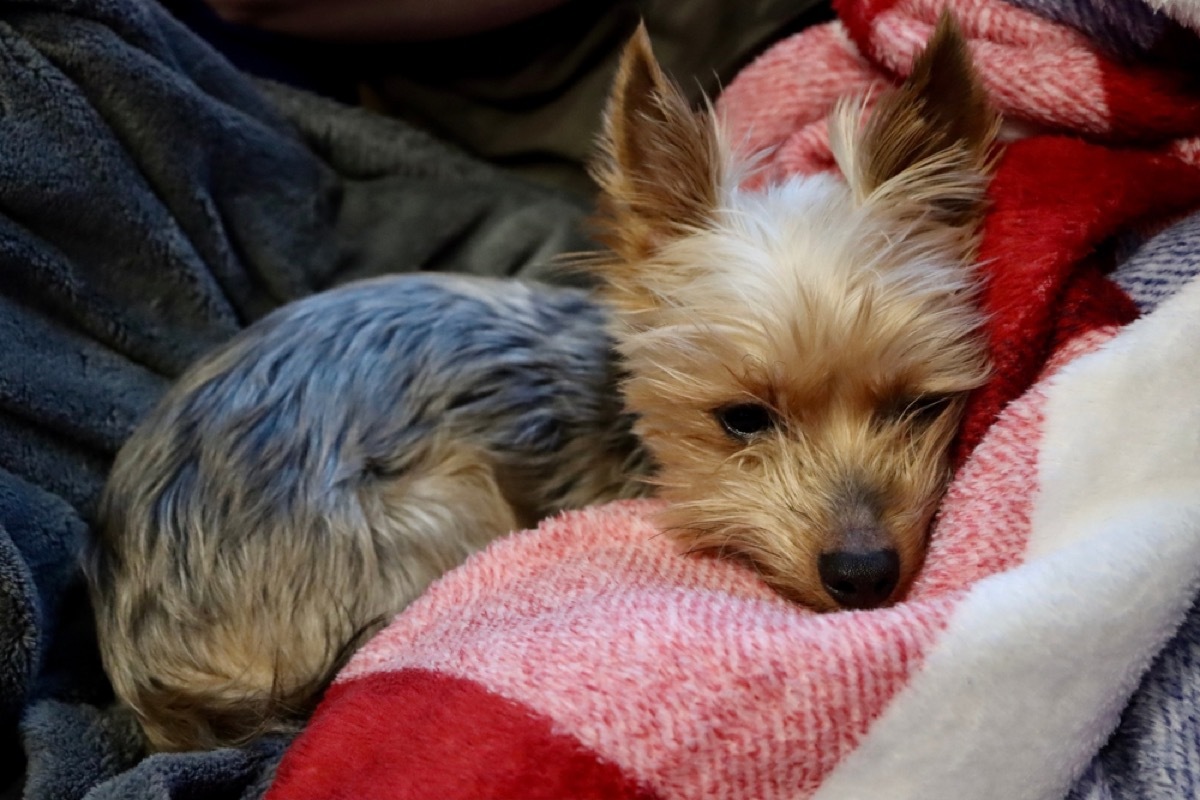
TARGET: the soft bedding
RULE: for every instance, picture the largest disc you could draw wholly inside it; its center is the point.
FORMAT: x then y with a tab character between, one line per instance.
154	201
1048	648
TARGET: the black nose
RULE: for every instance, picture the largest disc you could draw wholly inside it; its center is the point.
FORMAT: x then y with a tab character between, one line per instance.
860	580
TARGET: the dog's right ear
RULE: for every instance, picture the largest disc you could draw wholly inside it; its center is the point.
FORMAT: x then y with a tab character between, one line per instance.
660	165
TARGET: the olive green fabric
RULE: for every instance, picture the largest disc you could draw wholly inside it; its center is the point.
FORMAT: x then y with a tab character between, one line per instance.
530	97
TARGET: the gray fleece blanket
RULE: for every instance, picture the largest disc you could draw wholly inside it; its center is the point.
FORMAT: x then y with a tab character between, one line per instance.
152	202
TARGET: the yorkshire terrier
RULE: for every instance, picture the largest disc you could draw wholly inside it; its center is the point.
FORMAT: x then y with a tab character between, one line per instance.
798	356
793	362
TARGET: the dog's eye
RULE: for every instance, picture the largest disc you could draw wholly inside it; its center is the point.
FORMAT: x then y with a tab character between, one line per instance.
743	421
923	409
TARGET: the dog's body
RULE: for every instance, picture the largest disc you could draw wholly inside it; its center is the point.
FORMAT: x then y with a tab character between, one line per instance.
307	481
796	359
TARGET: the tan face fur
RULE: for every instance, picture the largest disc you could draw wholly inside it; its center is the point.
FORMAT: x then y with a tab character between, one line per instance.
798	355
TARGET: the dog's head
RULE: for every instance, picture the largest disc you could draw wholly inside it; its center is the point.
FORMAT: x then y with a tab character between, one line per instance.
798	355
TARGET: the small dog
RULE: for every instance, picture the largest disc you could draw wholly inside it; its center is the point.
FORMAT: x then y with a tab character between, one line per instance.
798	356
793	362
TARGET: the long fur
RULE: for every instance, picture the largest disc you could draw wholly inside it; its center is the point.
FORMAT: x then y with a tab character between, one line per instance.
844	309
795	358
303	484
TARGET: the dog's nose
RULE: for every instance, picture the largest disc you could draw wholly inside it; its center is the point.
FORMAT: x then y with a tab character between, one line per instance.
860	579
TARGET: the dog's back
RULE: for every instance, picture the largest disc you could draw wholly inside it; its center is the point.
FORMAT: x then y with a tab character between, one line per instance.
304	483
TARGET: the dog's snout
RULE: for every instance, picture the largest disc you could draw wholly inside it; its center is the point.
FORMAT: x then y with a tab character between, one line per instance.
860	579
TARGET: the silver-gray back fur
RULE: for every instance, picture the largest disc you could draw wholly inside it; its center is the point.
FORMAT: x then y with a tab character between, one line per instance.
308	480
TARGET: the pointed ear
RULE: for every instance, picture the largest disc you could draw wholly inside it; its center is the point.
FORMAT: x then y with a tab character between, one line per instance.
927	144
660	165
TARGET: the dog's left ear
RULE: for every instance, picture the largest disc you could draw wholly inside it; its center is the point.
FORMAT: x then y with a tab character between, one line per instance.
926	149
660	165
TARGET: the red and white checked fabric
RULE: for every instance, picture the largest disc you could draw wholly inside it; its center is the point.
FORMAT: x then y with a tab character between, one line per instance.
588	659
1044	77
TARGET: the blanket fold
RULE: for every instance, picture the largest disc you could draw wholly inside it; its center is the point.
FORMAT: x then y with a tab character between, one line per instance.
153	201
1047	649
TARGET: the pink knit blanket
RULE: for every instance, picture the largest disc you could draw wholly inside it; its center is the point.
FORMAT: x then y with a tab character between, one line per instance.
589	659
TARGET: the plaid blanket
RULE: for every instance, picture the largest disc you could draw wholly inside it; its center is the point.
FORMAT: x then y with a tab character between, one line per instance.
1049	646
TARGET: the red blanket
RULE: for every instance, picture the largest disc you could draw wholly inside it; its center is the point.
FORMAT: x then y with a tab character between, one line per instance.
588	659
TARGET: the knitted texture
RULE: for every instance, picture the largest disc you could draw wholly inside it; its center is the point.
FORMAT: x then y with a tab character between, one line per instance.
589	659
1044	77
1128	30
1160	265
